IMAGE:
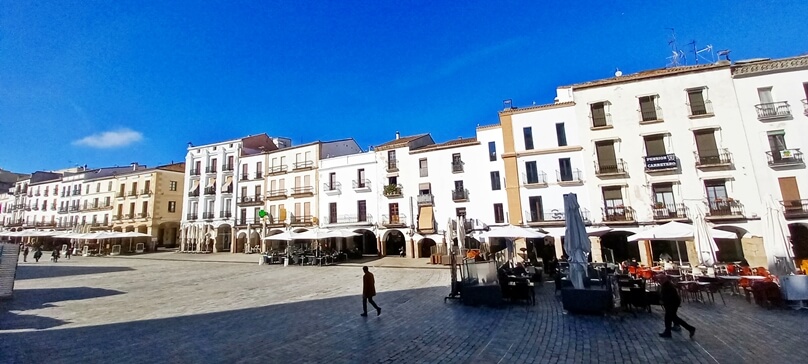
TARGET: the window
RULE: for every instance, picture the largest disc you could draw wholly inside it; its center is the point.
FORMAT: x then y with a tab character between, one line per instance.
361	211
648	109
391	159
147	187
565	169
172	206
765	95
532	173
332	181
597	112
663	197
699	105
495	183
528	133
213	165
499	213
607	159
360	177
393	210
492	151
98	187
655	145
229	165
144	208
109	187
172	186
613	203
717	199
561	135
332	213
536	208
457	163
257	192
87	189
259	170
392	181
460	212
706	147
243	192
423	169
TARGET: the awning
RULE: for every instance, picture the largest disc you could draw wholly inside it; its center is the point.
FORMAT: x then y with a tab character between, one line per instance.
425	186
195	186
211	182
227	182
425	219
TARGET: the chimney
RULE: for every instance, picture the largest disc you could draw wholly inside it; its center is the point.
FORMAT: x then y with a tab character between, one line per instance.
398	135
134	166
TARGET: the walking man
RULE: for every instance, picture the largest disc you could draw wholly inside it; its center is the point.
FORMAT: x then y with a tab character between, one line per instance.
671	301
368	291
25	252
37	254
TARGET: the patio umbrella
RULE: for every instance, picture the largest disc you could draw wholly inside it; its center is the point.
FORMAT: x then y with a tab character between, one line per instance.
576	240
285	236
703	236
677	231
776	239
315	234
511	233
461	232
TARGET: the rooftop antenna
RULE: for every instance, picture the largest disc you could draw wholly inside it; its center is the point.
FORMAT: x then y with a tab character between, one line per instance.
678	55
724	53
709	50
695	52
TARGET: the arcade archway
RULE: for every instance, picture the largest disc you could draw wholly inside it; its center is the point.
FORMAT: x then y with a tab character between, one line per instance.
425	247
365	243
615	247
730	250
394	241
224	238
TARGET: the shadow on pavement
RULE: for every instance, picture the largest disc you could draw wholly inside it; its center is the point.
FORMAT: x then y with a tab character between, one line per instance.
45	270
32	299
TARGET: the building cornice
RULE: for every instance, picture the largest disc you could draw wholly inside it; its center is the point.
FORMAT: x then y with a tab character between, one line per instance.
443	147
520	110
772	66
527	153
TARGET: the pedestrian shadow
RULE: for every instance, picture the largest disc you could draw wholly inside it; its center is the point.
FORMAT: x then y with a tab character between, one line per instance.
32	299
35	271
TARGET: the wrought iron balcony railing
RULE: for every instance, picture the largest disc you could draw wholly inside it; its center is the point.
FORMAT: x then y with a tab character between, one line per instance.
713	158
795	208
617	167
724	207
539	178
785	157
773	110
618	214
574	176
459	195
663	211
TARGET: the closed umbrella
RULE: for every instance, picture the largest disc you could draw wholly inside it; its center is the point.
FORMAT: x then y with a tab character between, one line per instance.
576	241
776	239
703	236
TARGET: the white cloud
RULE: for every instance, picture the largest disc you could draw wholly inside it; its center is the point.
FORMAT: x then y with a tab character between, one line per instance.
110	139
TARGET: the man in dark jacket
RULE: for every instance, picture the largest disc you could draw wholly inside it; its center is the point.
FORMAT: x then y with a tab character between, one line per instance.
368	291
671	301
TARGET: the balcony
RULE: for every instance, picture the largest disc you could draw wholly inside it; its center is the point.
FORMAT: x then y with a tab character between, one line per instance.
145	192
661	163
574	178
650	116
132	193
228	190
243	221
117	217
35	208
362	185
250	200
773	110
461	195
611	169
120	195
194	193
795	209
721	158
600	121
530	180
332	188
195	172
785	158
225	214
245	177
392	191
457	167
191	216
276	170
426	200
227	168
74	209
618	215
392	165
36	194
302	220
675	211
302	191
399	220
303	165
142	215
207	215
724	209
63	210
555	217
210	190
347	219
130	216
273	195
210	170
423	172
75	193
700	110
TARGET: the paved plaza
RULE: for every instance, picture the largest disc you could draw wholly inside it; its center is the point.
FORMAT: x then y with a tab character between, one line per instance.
142	310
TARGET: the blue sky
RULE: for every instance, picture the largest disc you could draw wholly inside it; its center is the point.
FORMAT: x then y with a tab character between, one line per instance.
112	82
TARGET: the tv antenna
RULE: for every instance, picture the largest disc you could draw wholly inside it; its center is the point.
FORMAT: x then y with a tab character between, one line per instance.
697	53
724	53
678	56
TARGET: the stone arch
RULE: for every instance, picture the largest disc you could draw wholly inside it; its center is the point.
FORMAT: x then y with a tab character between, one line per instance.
730	250
614	244
255	240
799	240
392	242
241	239
425	247
365	243
167	234
223	237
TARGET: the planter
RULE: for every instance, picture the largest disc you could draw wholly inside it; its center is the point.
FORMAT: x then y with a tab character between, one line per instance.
586	301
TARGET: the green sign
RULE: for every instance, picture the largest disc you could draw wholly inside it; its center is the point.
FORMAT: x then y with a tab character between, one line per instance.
262	213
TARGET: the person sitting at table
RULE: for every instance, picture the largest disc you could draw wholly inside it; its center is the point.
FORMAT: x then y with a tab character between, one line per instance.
519	271
665	257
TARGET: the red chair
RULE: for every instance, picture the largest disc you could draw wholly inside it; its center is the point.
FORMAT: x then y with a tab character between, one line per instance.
746	271
632	270
731	269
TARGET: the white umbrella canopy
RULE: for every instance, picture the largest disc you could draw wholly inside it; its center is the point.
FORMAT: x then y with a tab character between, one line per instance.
677	231
576	240
776	239
285	236
344	233
512	232
133	234
315	234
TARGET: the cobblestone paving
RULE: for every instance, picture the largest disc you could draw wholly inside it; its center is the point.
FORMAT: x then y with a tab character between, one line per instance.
94	310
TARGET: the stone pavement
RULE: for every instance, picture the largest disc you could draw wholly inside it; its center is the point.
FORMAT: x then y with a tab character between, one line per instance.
92	310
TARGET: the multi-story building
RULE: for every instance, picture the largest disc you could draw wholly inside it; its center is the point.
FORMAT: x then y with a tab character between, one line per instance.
349	198
148	200
77	194
210	181
249	197
543	160
43	188
661	142
772	97
97	208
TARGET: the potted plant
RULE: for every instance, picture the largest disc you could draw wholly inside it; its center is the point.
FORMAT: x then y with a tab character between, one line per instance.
659	205
391	189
